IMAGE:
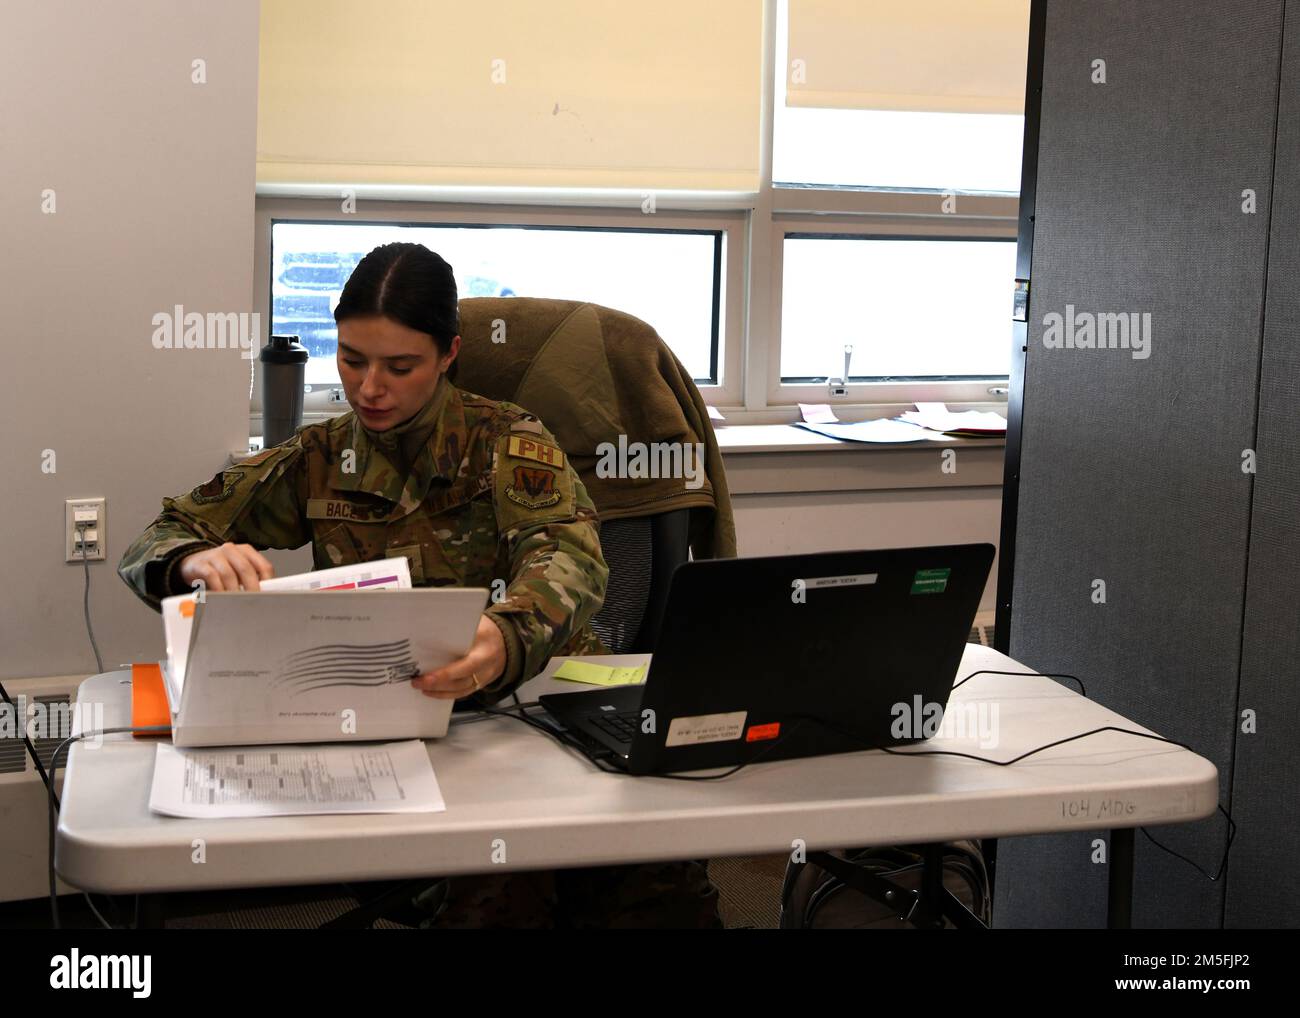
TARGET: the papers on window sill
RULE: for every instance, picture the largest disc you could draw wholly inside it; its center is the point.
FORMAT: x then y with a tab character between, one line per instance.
266	781
966	424
929	422
817	413
881	432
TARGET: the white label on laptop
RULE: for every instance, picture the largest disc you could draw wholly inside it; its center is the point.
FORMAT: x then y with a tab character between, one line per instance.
706	728
860	580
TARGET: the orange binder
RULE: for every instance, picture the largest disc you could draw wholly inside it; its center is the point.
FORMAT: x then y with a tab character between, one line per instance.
149	700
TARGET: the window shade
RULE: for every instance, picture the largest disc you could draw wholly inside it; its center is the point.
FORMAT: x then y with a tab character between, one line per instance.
512	93
925	56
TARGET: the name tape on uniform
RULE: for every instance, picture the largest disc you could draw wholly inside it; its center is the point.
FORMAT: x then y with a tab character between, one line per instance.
339	509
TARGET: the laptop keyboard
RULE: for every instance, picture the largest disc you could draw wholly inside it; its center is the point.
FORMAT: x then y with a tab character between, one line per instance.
620	726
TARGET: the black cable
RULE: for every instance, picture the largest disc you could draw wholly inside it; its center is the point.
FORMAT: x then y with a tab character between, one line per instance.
85	601
1232	833
558	734
20	718
95	912
99	667
47	778
1232	827
1029	753
1049	675
49	785
478	714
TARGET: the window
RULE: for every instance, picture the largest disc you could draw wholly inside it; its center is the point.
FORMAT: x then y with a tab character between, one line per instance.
914	308
671	279
896	162
961	152
881	95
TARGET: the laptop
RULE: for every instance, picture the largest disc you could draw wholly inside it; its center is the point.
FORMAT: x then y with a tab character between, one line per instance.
786	656
303	666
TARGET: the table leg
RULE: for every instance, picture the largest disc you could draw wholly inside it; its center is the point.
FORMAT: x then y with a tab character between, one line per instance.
1119	898
931	900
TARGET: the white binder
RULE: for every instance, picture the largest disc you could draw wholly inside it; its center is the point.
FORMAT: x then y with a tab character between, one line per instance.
301	666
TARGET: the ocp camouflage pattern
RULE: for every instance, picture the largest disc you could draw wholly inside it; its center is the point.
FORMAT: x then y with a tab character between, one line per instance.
474	507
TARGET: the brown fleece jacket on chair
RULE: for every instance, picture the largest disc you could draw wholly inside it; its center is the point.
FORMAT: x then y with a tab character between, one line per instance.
592	374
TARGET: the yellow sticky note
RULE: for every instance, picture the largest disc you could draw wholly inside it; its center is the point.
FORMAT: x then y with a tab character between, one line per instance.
600	675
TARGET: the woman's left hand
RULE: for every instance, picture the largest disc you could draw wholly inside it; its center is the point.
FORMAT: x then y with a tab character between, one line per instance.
481	665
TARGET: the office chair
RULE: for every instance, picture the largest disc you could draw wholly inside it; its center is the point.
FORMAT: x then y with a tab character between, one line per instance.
642	554
555	362
597	378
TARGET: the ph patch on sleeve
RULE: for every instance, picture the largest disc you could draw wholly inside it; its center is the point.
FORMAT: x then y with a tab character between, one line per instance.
531	449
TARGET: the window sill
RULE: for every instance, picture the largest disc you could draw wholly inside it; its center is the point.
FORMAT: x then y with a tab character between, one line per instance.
782	459
755	438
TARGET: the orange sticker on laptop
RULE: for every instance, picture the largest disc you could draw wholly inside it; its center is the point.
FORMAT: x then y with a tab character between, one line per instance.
531	449
757	733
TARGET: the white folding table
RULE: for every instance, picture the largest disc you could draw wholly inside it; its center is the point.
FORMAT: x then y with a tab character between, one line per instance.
518	800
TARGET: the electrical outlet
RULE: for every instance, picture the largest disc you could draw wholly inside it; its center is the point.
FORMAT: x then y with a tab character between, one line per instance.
87	513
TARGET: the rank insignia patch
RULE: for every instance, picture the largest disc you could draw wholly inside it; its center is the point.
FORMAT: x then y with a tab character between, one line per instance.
533	487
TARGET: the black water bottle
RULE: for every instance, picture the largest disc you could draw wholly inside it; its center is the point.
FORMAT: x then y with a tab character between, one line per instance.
284	369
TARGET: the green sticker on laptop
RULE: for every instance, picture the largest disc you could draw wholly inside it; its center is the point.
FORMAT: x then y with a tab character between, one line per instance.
930	581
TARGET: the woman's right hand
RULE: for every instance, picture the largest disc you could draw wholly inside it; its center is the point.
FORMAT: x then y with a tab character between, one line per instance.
228	567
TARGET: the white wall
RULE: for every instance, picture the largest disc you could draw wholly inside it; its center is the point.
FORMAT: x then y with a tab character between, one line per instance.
153	181
779	524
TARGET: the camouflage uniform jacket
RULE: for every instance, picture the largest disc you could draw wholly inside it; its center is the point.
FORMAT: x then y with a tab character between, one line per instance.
489	496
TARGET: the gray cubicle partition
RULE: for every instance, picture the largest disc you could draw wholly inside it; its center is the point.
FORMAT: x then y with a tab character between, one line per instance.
1129	499
1263	878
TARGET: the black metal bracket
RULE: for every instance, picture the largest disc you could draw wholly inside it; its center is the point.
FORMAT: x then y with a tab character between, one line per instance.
925	909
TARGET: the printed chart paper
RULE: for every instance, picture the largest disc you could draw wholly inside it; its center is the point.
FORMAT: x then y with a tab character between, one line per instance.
266	781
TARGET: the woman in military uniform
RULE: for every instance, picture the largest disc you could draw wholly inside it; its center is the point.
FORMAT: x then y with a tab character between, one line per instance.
473	492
